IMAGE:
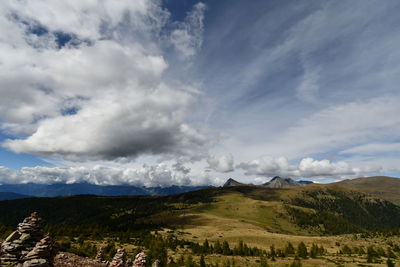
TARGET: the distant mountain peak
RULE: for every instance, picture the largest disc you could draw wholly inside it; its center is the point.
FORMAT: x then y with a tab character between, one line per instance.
231	182
279	182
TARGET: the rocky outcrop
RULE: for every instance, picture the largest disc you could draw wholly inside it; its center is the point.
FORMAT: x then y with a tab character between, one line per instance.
27	247
140	260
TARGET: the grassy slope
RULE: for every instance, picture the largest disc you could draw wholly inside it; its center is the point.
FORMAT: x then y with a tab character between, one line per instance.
381	186
258	217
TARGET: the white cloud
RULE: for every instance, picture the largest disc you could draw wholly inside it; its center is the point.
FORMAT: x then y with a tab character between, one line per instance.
335	127
373	149
187	38
102	95
222	163
307	167
146	175
309	87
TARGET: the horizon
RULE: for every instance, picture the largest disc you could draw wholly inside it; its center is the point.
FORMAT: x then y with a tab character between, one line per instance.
161	93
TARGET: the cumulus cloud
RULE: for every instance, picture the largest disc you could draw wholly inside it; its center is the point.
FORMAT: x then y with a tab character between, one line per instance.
221	164
307	167
146	175
86	80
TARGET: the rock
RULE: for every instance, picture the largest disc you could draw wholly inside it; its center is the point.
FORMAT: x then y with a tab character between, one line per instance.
14	235
36	263
140	260
119	259
26	246
46	249
66	259
100	255
157	263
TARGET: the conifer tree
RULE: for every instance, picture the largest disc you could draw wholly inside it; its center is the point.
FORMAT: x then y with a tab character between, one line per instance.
202	262
302	250
272	252
189	261
225	248
314	251
217	247
206	246
289	249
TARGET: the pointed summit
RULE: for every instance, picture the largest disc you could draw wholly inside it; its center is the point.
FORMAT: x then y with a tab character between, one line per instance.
231	182
278	182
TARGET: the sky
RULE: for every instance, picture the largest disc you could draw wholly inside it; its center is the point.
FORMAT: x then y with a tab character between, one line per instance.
159	93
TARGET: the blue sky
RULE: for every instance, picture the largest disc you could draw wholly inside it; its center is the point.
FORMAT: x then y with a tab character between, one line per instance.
189	92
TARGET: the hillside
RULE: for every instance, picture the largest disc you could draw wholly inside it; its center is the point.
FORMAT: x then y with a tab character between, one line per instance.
330	216
298	210
381	186
11	196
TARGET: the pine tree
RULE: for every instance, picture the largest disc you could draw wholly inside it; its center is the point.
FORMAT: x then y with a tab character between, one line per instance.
346	250
289	249
225	248
189	261
321	250
272	252
302	250
202	262
217	247
206	246
314	251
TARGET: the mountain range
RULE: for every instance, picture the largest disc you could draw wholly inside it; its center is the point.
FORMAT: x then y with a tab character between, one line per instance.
55	190
15	191
276	182
314	209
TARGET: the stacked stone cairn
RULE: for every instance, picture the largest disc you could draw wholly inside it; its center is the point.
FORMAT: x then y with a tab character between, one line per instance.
100	255
119	259
140	260
27	247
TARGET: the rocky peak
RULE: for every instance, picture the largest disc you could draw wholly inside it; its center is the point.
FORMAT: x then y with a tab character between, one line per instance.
231	182
279	182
